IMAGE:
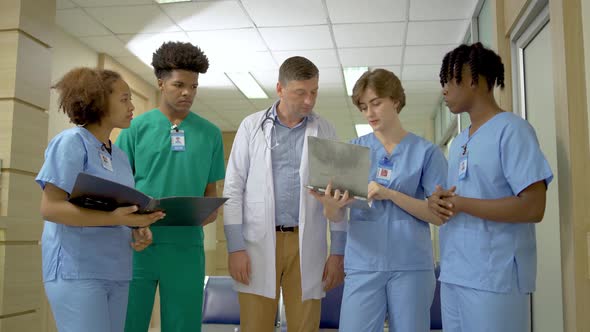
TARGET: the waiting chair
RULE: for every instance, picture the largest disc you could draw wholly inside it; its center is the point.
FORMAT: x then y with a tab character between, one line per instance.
221	308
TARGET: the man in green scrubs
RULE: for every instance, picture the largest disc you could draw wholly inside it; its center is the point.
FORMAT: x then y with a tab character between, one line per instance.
173	152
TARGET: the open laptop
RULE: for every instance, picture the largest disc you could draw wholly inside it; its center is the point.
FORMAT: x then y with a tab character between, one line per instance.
346	165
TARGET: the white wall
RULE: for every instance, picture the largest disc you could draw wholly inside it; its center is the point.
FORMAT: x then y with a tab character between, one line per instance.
540	110
67	53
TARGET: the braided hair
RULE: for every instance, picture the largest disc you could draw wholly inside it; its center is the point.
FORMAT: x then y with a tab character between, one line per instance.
481	61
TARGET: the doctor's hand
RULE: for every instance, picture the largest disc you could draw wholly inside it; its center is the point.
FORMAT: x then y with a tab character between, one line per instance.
239	266
142	238
126	216
440	202
333	202
378	192
333	272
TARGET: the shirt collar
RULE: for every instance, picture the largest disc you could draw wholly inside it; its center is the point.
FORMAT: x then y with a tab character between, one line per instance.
312	116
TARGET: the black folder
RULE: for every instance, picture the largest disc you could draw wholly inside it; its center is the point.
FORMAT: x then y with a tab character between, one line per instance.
96	193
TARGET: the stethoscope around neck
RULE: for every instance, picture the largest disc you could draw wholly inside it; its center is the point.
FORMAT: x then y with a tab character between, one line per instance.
269	117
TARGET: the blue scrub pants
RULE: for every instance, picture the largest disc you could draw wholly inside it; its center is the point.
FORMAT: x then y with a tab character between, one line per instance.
467	309
88	305
406	295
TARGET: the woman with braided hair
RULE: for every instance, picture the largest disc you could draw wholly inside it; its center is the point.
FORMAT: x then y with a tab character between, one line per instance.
497	181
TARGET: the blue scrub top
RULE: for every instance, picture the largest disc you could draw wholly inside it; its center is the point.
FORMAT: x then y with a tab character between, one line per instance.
385	237
503	159
84	252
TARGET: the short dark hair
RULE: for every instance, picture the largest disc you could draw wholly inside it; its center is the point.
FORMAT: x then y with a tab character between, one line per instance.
297	68
84	93
178	55
383	82
481	61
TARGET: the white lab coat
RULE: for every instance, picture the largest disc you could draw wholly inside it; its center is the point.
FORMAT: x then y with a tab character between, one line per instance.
249	186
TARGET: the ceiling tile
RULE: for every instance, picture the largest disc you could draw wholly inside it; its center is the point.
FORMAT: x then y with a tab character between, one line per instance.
420	72
145	44
424	10
321	58
297	38
77	23
64	4
272	13
216	119
422	86
330	76
193	16
208	93
345	131
237	117
426	55
262	104
133	19
248	61
108	3
133	63
110	45
436	32
230	105
375	56
420	99
268	80
214	79
331	103
369	35
397	70
354	11
228	40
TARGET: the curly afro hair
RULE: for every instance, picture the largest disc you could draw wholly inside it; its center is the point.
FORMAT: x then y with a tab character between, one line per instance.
481	61
178	55
84	93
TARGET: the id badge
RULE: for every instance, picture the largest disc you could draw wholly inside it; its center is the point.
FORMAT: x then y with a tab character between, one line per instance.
384	172
463	167
106	161
177	140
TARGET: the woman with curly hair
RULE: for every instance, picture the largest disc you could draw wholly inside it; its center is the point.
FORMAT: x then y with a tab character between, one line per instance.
498	179
173	152
86	253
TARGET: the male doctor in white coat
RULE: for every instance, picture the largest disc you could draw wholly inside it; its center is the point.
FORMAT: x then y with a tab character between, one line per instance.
276	231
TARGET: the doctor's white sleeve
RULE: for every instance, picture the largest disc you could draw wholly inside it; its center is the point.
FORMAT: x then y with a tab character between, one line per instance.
234	186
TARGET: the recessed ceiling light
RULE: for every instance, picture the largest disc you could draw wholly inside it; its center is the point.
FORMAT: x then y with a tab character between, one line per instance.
351	75
362	129
247	84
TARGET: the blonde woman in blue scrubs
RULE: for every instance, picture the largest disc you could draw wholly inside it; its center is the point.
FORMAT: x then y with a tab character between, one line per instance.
86	254
388	258
498	179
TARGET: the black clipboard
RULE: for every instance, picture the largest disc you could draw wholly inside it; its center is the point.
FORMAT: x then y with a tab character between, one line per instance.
93	192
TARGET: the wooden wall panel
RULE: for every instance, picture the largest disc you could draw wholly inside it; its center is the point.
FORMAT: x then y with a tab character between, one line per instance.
23	287
33	73
34	19
10	10
6	114
573	153
513	10
22	229
26	322
8	61
20	195
27	152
